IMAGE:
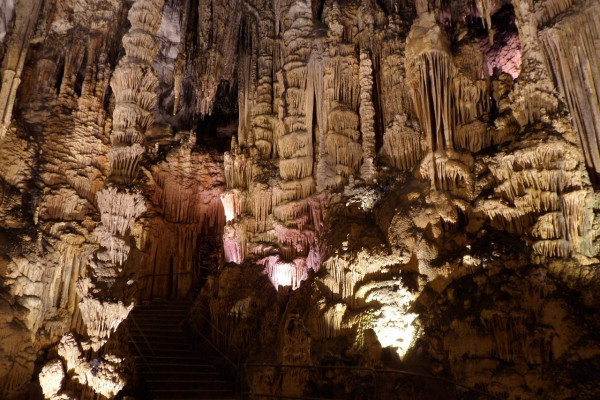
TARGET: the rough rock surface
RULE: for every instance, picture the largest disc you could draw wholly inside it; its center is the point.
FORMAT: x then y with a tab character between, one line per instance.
407	184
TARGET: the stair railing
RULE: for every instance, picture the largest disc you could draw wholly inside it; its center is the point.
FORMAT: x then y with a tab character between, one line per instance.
145	340
373	371
236	365
146	276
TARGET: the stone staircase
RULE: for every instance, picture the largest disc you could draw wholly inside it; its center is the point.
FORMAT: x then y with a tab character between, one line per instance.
171	366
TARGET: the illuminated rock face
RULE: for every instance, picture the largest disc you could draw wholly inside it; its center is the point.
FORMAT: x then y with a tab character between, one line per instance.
434	131
404	175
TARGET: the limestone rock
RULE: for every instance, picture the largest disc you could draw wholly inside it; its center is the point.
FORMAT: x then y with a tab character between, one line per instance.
51	378
399	184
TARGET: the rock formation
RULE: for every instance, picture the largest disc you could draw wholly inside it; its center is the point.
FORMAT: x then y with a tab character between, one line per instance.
405	184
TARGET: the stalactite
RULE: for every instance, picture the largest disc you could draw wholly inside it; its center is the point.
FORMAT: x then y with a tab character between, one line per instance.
572	52
549	226
214	59
234	243
512	339
283	273
396	98
238	169
102	187
549	9
553	248
188	189
533	95
100	317
450	172
119	210
543	195
117	249
233	204
471	87
330	325
577	211
485	9
14	58
430	71
261	205
402	144
134	84
124	160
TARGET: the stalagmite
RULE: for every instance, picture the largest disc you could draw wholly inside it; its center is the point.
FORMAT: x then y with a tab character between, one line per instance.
101	375
51	378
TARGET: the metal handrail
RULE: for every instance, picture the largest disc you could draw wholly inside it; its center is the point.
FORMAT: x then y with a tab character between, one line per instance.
281	396
174	273
236	366
437	378
164	274
374	371
143	277
306	366
147	344
208	321
215	347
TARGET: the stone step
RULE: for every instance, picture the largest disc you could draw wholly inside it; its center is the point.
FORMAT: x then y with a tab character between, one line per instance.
161	342
173	366
175	397
158	326
201	383
174	371
167	312
192	393
168	317
168	371
183	307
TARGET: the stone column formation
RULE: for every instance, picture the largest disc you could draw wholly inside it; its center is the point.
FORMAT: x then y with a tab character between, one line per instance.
295	144
134	84
367	118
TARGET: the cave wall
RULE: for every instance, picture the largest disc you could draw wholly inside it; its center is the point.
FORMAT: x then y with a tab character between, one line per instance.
407	175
